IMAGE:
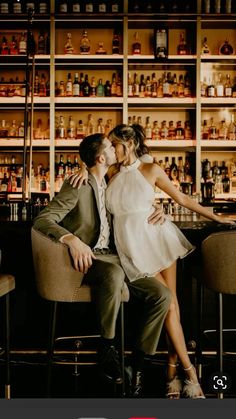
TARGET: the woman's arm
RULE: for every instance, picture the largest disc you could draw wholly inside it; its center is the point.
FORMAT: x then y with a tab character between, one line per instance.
164	183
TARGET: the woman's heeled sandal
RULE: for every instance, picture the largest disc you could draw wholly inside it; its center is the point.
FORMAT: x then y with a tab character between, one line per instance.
174	388
192	390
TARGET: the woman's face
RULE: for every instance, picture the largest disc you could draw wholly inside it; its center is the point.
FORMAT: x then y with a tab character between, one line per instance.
120	150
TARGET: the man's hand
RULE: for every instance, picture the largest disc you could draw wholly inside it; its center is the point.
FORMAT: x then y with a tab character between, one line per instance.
158	216
79	178
81	253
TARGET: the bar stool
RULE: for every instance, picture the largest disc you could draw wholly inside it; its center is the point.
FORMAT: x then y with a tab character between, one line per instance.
219	275
7	284
57	281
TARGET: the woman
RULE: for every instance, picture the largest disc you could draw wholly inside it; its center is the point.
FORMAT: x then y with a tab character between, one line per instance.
146	249
151	250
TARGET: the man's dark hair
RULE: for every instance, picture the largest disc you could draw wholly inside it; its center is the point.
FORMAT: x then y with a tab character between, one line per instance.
90	148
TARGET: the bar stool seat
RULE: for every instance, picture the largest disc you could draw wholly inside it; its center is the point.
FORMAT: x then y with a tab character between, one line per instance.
7	284
219	275
57	281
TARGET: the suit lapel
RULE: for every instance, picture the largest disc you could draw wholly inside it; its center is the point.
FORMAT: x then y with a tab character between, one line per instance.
93	183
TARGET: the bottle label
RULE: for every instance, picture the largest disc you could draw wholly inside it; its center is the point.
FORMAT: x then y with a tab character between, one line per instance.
217	6
63	8
4	8
29	6
89	8
17	8
102	8
76	8
220	91
211	91
76	89
207	6
42	7
115	8
228	91
22	47
228	6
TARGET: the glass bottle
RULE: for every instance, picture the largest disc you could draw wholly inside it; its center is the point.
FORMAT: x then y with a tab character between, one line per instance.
205	130
76	86
63	7
13	46
90	125
217	6
41	43
113	85
173	170
148	129
76	6
187	85
136	46
3	129
205	47
4	46
219	86
88	7
180	169
102	7
61	131
4	7
207	6
154	85
107	89
17	6
142	86
101	50
116	43
100	126
211	89
228	6
42	86
80	130
171	131
75	166
100	89
167	166
84	43
69	85
69	49
232	129
130	86
71	132
222	132
164	131
23	44
234	88
86	86
155	131
115	8
213	134
43	7
226	48
203	88
136	86
179	131
228	86
182	48
187	131
161	43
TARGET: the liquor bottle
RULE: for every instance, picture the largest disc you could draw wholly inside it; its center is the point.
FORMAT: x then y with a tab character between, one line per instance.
107	89
69	49
42	86
219	86
226	48
71	133
148	129
76	86
234	88
93	88
29	5
119	88
76	6
63	7
161	44
86	87
38	131
166	91
80	130
101	50
187	131
41	43
21	131
84	43
164	131
4	7
23	44
213	133
13	49
90	129
205	130
4	46
69	85
148	87
207	6
75	166
204	88
3	129
100	126
205	47
211	89
187	170
155	131
115	7
171	131
187	85
167	166
17	6
102	7
136	87
228	86
173	170
182	48
61	89
228	6
43	7
36	84
88	7
181	86
180	169
108	126
130	86
179	131
154	85
142	86
13	130
222	132
232	129
116	43
113	85
217	6
100	89
136	46
61	131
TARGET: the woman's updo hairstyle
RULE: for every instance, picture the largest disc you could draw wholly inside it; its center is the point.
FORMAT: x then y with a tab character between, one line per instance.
123	133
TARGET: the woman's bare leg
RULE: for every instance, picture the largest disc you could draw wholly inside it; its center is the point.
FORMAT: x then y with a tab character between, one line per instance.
175	331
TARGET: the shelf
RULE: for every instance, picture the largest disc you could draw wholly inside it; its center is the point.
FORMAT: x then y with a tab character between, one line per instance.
164	101
150	57
218	144
67	143
21	100
219	101
96	57
206	57
170	143
20	142
88	100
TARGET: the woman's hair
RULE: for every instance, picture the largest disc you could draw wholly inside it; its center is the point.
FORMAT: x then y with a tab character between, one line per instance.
123	133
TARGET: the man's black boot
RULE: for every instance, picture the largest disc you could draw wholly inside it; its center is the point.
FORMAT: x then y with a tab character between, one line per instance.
109	364
134	387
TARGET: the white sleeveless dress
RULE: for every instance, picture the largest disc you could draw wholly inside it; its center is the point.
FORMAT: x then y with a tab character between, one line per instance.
144	249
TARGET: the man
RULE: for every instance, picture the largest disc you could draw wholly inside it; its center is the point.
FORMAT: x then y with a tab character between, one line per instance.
78	219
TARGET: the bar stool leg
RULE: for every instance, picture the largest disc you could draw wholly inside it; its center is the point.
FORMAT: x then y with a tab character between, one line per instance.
51	345
122	347
199	329
220	337
7	348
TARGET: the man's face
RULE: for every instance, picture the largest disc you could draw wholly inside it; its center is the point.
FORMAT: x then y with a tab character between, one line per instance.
109	152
